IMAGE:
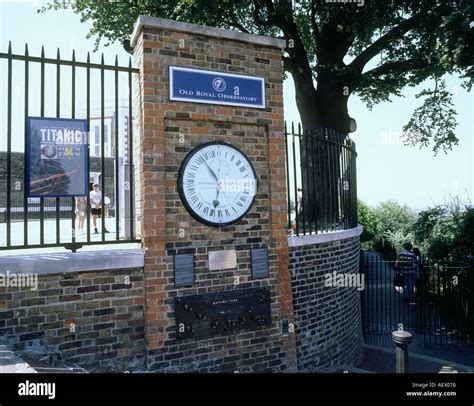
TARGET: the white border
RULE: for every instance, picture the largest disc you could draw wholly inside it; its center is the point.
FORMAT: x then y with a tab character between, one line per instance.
217	73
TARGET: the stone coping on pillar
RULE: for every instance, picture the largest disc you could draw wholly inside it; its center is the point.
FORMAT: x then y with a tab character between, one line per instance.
299	240
161	23
72	262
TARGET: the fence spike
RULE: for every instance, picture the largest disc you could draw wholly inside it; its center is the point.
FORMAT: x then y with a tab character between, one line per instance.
73	55
58	55
130	62
102	59
116	60
26	49
293	127
88	58
42	51
9	47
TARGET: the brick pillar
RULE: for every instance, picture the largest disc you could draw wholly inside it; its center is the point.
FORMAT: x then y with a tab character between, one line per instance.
167	130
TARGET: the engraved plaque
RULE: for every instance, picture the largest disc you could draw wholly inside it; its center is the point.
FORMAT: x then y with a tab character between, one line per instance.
183	270
259	263
222	313
226	259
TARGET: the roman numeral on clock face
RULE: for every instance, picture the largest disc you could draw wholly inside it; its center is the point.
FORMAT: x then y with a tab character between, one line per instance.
215	183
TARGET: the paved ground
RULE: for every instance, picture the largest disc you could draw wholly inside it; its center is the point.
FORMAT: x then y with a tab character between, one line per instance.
381	360
17	231
12	363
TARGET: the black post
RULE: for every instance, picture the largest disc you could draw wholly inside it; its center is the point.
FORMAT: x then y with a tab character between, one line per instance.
130	148
58	114
25	164
102	146
9	145
42	115
73	115
116	133
288	179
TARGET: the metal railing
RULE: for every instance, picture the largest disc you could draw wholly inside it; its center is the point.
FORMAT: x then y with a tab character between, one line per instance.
437	303
44	222
321	181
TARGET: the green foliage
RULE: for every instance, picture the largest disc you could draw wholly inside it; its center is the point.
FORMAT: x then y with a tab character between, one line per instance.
367	219
426	221
397	238
446	231
434	121
393	217
410	41
386	227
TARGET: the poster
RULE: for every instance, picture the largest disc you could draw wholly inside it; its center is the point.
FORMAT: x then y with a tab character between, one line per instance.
56	156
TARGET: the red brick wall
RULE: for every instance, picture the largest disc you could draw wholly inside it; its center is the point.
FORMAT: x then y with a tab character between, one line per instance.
167	131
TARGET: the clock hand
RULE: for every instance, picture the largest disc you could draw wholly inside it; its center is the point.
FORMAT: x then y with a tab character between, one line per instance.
211	171
216	202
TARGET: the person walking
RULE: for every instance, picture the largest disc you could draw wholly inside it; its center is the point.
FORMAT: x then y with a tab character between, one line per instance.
81	209
407	264
418	273
95	197
107	204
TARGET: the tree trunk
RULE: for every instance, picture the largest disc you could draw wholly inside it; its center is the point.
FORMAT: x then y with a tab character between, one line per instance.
321	109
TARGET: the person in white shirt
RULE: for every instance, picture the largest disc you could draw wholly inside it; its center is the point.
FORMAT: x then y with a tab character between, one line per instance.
95	197
107	204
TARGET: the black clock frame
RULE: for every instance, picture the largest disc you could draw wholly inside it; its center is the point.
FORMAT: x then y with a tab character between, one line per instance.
181	194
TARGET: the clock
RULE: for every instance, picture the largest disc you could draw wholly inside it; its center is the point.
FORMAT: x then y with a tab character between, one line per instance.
217	184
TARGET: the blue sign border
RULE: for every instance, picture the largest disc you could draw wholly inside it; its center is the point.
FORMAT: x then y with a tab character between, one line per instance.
190	99
28	156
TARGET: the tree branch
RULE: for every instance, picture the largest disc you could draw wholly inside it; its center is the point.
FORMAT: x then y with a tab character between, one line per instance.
375	48
395	67
289	65
314	25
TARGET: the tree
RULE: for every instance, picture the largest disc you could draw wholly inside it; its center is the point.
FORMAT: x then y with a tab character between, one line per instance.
334	49
392	216
367	219
447	230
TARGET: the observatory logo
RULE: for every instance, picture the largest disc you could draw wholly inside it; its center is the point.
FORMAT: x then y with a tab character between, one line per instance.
219	84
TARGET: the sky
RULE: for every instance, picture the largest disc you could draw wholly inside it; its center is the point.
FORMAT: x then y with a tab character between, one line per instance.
386	169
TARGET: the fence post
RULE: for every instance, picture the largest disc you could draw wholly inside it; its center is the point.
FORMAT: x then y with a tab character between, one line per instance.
402	340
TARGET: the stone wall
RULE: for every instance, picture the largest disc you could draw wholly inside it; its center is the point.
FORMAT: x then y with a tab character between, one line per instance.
169	130
327	318
91	318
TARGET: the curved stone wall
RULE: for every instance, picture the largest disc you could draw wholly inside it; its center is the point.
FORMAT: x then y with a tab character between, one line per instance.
327	315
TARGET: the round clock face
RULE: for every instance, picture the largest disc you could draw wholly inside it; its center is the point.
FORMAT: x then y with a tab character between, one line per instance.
217	184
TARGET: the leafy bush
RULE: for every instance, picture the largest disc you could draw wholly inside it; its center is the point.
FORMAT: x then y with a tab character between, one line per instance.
368	220
392	217
446	231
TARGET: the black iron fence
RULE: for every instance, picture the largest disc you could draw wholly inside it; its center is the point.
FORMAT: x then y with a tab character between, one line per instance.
438	302
321	181
37	83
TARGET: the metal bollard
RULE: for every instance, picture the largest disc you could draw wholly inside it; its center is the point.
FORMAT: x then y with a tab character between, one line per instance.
402	340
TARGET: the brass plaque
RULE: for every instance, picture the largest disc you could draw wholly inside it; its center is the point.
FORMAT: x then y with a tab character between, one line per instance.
226	259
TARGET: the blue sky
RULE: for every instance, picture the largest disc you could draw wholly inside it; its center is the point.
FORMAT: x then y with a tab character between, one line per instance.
386	168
